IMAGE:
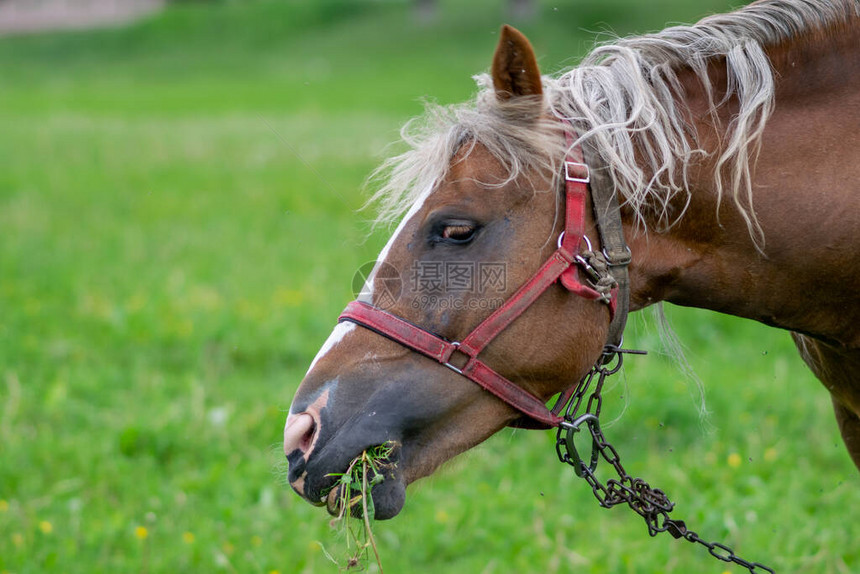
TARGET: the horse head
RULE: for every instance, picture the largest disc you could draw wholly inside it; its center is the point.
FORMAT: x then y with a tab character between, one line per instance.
479	226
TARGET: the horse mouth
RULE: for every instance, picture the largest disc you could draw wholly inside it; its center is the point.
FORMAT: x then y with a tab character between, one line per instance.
384	501
372	483
374	473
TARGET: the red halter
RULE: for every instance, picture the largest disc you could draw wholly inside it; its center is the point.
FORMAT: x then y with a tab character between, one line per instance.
562	265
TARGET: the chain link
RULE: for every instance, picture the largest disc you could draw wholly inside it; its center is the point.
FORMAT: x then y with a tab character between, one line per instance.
650	503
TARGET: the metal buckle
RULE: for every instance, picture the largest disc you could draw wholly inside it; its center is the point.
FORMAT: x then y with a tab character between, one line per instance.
570	177
593	274
584	264
624	260
455	368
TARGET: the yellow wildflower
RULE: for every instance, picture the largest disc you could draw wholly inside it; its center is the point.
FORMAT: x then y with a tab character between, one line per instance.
188	537
734	460
141	532
46	527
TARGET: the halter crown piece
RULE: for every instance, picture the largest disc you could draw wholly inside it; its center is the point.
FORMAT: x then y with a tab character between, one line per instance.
606	282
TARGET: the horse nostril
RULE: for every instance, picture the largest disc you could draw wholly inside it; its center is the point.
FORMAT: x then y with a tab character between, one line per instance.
299	433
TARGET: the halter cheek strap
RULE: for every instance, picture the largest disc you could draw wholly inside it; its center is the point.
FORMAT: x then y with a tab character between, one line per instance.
563	265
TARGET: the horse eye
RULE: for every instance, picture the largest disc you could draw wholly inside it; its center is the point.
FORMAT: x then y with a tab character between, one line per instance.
458	233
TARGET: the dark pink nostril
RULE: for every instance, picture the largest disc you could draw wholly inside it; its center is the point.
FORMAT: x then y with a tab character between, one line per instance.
299	433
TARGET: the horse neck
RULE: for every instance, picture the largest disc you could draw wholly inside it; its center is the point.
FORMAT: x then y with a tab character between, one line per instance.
803	274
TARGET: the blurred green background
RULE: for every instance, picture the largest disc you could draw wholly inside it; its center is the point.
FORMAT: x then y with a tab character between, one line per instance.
178	232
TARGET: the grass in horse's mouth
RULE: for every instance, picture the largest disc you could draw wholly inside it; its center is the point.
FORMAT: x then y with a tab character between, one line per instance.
350	498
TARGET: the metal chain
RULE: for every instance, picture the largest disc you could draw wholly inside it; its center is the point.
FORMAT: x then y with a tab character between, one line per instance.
650	503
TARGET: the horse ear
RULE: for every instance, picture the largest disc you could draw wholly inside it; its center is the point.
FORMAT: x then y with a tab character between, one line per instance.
515	70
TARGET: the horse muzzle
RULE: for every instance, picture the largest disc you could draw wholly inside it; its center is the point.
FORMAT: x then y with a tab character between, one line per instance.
319	451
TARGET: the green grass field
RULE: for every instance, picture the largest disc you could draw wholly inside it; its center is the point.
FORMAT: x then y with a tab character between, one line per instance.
178	232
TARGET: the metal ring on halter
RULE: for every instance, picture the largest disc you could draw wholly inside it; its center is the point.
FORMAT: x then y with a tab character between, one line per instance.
585	237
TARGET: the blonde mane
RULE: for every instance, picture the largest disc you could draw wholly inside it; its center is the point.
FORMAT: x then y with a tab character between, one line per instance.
626	98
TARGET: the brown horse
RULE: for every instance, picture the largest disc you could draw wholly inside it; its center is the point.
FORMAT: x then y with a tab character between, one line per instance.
733	149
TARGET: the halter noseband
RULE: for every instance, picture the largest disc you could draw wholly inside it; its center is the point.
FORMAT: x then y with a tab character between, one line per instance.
607	272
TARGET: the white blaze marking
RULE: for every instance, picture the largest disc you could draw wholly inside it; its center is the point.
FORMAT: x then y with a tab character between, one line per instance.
340	331
367	291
